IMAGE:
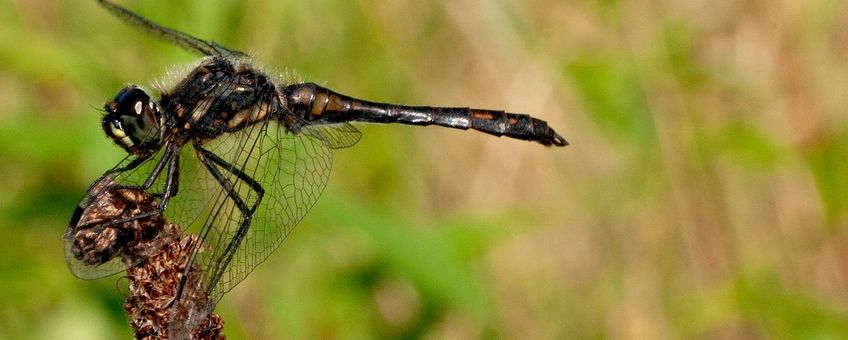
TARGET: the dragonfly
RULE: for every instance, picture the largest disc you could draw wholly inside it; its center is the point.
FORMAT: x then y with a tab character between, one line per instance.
240	156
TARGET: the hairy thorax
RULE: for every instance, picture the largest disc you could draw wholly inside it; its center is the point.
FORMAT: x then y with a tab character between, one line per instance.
218	96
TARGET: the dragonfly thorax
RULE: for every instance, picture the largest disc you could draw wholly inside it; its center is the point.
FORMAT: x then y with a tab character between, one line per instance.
133	121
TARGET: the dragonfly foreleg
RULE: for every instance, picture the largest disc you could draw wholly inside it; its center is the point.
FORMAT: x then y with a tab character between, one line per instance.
171	159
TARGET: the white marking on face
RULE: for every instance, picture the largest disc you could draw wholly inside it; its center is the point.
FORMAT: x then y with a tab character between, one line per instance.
118	132
126	141
138	108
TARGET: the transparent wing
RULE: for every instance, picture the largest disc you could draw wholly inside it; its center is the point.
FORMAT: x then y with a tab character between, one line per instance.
293	171
184	40
253	187
278	176
102	267
93	244
336	136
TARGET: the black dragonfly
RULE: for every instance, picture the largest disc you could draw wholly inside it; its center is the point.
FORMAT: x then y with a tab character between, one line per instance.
242	157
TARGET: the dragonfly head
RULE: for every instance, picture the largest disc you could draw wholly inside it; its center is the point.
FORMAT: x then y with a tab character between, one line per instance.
133	121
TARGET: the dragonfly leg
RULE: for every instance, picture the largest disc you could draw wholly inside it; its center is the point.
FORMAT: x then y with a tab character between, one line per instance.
171	158
213	163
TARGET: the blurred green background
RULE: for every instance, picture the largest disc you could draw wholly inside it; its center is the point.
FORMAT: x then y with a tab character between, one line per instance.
704	195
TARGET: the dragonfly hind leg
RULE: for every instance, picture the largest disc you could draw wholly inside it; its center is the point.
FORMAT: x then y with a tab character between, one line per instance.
223	254
213	163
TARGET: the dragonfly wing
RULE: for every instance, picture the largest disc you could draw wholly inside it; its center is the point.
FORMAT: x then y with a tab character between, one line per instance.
258	185
335	136
95	247
184	40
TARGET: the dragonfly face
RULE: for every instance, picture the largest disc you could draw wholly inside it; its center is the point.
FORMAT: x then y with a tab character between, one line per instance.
134	121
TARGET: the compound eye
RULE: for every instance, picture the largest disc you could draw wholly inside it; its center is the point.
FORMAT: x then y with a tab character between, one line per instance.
131	101
132	120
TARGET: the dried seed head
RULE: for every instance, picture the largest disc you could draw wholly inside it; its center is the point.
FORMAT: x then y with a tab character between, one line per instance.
156	256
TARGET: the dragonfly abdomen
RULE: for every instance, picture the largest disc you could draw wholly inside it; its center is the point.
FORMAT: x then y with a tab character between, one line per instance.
319	105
